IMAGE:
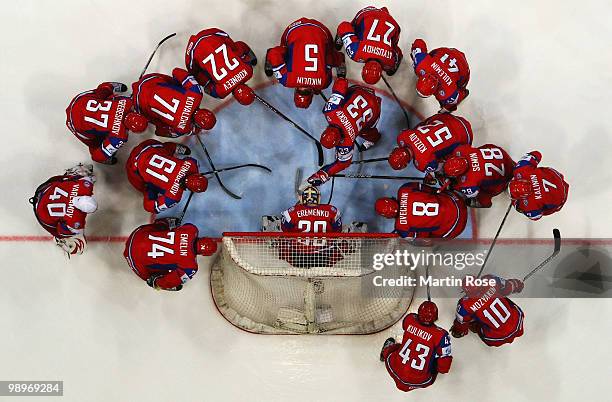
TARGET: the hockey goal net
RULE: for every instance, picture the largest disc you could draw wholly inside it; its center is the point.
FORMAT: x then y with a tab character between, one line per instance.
282	283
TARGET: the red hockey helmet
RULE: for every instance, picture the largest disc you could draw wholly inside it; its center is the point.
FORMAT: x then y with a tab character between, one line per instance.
520	188
198	183
428	312
302	97
206	246
135	122
244	94
399	158
426	85
371	72
330	137
204	119
387	207
455	166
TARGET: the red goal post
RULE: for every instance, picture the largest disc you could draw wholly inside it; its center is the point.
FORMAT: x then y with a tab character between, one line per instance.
307	283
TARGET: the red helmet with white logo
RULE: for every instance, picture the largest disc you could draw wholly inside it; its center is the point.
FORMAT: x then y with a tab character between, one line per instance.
387	207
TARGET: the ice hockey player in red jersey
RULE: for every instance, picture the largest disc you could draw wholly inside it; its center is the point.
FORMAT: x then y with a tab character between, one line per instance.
420	212
61	205
220	65
425	350
443	72
351	112
537	191
172	103
310	216
165	256
430	141
100	119
372	38
304	60
154	169
487	311
478	173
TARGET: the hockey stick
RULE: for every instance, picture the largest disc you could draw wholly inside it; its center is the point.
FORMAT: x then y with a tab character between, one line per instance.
331	192
557	238
494	240
227	191
284	117
180	219
367	176
369	160
153	54
397	100
267	169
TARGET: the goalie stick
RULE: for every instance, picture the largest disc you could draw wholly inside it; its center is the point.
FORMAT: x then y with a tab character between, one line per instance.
153	54
321	159
557	248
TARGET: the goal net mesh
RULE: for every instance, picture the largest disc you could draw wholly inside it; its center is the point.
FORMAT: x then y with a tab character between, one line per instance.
279	283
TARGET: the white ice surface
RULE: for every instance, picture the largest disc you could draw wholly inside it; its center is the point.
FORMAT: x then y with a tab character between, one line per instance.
541	73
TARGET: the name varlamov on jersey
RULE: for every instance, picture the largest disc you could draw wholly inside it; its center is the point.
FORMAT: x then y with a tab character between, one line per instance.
235	80
309	81
378	51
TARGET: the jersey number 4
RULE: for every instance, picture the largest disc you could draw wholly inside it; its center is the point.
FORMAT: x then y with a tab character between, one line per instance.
159	250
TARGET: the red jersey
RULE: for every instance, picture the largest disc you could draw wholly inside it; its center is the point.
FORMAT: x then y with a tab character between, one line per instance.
153	170
489	172
434	138
374	36
425	350
450	66
550	190
305	56
95	117
311	219
168	255
500	320
217	62
53	205
168	102
423	213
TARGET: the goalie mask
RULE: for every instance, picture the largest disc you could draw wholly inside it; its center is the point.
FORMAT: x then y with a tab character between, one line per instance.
310	196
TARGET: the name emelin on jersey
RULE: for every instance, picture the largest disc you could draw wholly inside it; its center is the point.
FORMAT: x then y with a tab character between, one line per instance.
184	245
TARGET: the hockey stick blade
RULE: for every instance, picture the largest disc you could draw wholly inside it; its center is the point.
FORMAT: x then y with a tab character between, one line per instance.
557	248
321	159
153	54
